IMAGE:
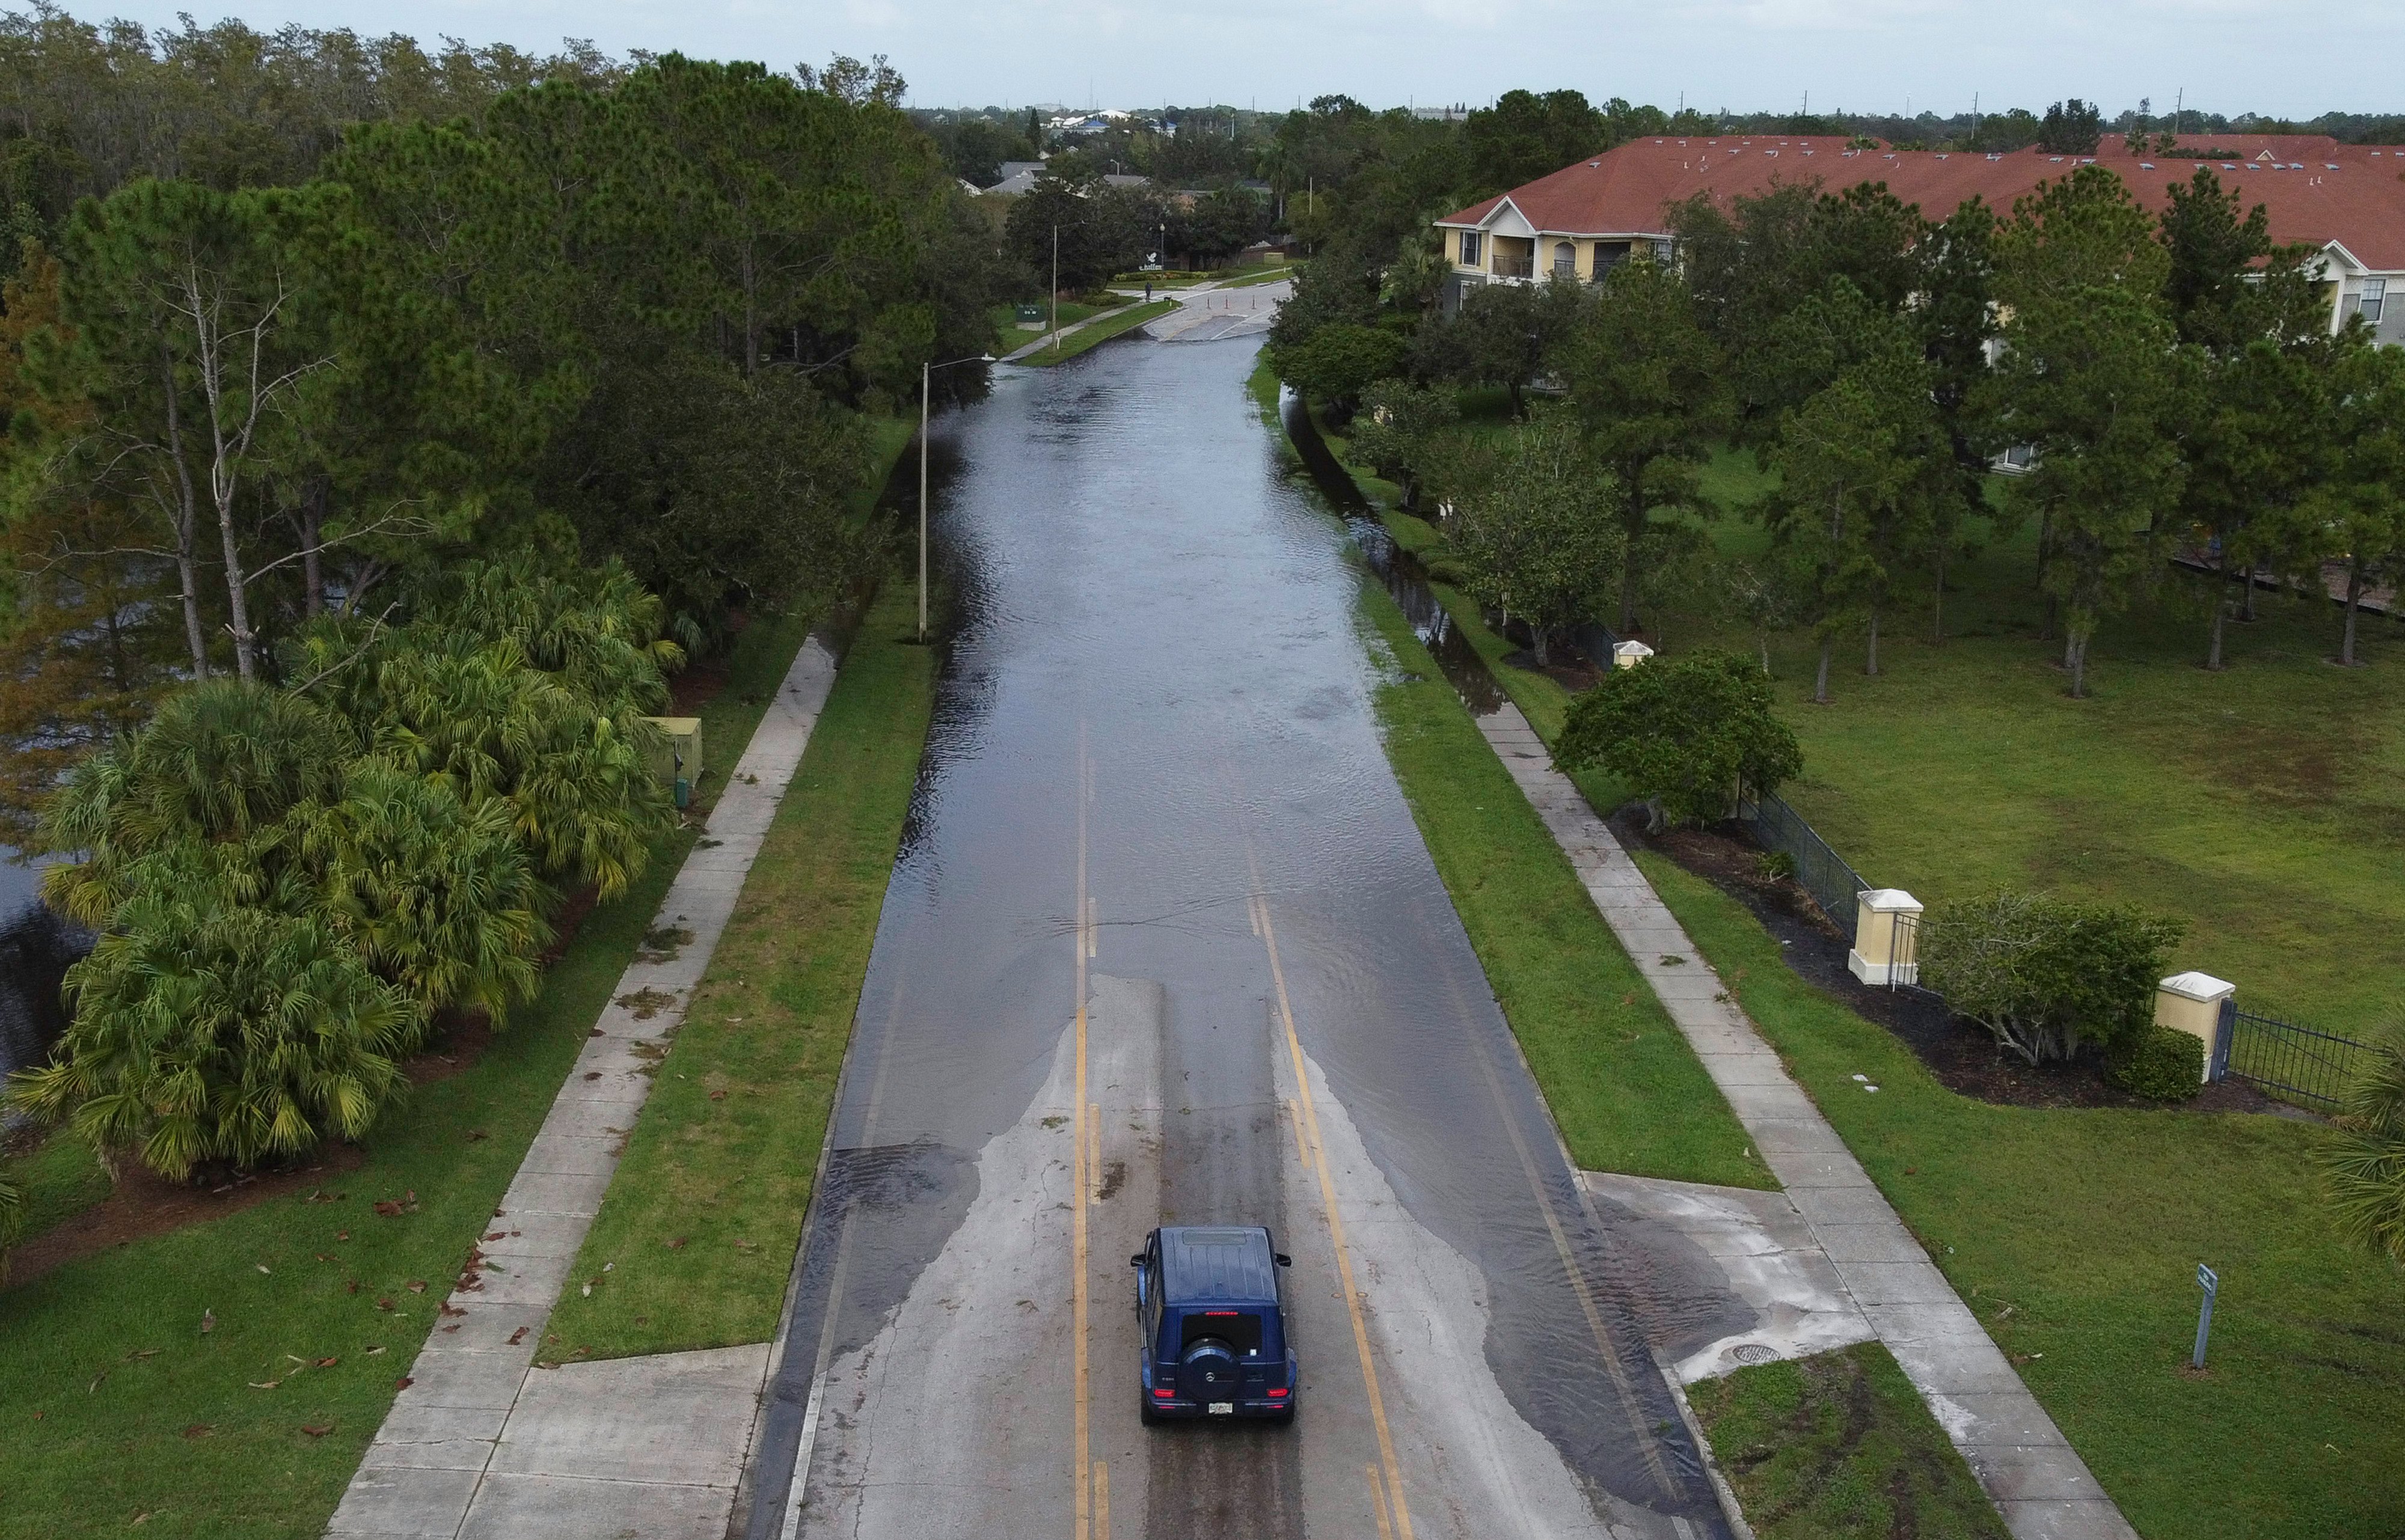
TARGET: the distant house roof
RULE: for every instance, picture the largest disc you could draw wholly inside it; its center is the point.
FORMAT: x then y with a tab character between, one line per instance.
1009	169
1024	181
1113	179
2313	188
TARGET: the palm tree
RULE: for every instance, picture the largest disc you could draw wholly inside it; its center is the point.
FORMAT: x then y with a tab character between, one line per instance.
2367	1166
222	762
436	897
205	1032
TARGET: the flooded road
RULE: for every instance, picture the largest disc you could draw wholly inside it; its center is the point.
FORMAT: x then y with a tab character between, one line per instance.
1164	946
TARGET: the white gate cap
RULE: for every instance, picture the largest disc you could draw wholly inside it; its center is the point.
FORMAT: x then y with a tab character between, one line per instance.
2203	986
1887	901
1632	650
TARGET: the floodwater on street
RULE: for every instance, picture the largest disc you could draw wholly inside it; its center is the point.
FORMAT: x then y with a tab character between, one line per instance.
1163	946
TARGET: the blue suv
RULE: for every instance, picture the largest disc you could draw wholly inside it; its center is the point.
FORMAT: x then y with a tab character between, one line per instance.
1214	1333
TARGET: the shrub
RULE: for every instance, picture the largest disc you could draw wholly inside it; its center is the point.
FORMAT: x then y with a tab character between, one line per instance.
2366	1166
2159	1064
207	1033
1341	361
1682	731
2046	975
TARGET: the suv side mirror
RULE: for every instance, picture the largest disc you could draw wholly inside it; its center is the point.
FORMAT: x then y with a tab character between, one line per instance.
1136	1261
1283	1260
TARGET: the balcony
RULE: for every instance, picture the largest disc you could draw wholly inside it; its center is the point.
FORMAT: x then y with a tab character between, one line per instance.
1523	266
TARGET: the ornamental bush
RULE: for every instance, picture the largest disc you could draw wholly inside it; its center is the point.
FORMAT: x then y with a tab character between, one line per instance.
2159	1064
1682	731
2366	1166
2048	976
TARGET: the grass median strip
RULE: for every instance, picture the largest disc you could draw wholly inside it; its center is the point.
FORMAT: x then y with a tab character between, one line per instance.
699	1229
1839	1446
1626	1092
1070	343
2075	1235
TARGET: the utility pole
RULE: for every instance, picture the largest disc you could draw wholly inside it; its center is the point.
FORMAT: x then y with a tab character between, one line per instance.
1056	289
2179	104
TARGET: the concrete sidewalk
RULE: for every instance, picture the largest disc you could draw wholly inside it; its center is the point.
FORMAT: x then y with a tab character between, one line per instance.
482	1443
2036	1479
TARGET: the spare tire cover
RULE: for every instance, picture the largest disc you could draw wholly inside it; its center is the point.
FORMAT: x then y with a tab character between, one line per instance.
1209	1371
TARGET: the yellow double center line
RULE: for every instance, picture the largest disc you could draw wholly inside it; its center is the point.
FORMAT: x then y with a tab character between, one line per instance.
1090	1476
1316	1157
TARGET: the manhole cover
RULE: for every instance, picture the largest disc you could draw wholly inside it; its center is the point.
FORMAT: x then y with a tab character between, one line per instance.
1753	1352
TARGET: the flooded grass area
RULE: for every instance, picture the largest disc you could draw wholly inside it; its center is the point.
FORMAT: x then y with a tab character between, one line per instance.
1626	1091
698	1228
2075	1235
1839	1446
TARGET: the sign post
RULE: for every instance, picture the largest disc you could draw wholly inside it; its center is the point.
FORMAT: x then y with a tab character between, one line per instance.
2210	1282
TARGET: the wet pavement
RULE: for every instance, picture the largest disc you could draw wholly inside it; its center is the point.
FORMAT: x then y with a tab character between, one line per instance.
1164	946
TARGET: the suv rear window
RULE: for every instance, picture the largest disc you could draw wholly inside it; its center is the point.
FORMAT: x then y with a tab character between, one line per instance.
1239	1329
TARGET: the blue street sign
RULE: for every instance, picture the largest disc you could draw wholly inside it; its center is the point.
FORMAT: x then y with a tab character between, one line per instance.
2210	1282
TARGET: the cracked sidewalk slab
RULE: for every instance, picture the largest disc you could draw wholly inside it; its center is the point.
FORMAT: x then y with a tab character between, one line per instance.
480	1441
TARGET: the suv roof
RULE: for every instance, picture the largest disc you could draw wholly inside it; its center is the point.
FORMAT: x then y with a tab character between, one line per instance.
1228	1263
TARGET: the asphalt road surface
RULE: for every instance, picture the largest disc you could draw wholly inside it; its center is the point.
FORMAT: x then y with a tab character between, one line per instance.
1164	946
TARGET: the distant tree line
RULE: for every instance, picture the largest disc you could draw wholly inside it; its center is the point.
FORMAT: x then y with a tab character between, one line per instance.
2173	384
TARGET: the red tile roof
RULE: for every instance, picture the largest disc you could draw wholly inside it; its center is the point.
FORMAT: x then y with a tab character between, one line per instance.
2314	189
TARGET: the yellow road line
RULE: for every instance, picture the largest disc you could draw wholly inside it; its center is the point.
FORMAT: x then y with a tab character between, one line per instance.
1082	1183
1294	1115
1403	1516
1095	1153
1102	1500
1378	1503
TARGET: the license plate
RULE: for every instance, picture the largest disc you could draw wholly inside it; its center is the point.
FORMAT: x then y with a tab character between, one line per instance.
1223	1409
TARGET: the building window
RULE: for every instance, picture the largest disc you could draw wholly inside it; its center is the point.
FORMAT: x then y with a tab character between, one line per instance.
2371	300
1564	259
1470	252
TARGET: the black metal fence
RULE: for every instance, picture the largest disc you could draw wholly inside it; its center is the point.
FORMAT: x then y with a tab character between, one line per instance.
1820	871
36	949
2285	1060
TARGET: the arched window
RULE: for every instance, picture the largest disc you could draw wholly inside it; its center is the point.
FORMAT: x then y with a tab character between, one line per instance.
1564	259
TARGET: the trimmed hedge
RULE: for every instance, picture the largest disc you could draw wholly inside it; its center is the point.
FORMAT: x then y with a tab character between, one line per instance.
2162	1065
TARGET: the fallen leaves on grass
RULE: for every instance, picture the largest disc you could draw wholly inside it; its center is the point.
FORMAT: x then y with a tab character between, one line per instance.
403	1383
208	1322
316	1430
329	1363
200	1430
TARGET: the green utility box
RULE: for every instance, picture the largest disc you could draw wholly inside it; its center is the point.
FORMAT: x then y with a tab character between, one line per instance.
677	760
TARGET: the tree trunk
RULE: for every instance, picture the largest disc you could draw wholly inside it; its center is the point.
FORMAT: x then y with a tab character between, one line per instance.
312	523
2074	658
1870	661
187	520
245	660
2220	614
1820	681
1762	638
1937	606
1631	524
2354	593
1537	640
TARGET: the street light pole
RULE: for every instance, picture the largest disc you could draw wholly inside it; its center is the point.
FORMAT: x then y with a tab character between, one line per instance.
1056	289
926	377
926	380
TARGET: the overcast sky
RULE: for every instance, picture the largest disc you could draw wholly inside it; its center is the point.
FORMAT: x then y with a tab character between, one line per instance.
1858	55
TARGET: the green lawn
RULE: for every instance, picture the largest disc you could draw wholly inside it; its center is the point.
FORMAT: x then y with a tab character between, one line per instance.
706	1210
2075	1236
2264	805
121	1408
1839	1446
1267	274
1073	342
1625	1089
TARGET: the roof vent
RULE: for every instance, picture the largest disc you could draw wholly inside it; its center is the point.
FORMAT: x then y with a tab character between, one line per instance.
1592	164
2054	160
2146	165
2330	165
